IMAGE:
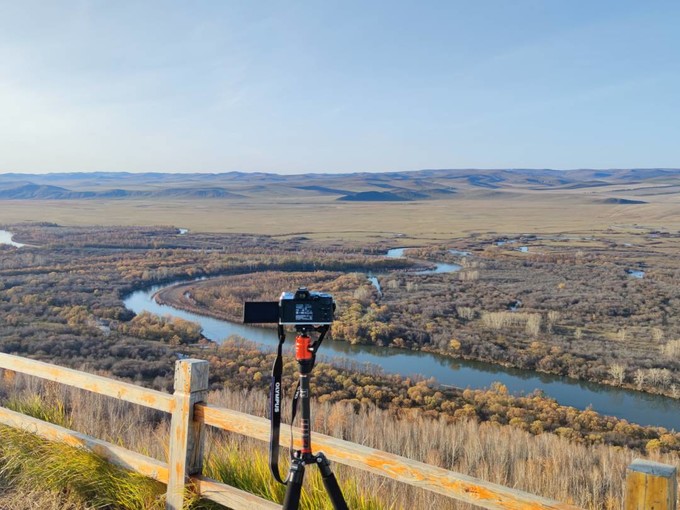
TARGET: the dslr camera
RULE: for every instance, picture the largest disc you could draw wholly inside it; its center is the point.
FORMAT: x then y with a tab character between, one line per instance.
299	308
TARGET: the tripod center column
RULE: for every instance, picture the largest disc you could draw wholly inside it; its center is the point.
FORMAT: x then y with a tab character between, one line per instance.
305	358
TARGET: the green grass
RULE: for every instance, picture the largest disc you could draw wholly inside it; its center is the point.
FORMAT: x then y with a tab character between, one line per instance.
249	471
28	461
35	406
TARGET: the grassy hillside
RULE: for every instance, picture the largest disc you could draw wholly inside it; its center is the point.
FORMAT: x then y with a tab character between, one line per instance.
423	183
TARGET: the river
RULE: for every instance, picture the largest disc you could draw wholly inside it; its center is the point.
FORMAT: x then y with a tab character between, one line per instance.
633	406
397	253
6	238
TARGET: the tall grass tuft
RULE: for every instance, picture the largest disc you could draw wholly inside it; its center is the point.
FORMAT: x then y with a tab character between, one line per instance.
36	407
249	471
28	461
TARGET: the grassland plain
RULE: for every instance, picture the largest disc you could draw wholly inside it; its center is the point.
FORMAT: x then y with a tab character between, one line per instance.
439	204
353	222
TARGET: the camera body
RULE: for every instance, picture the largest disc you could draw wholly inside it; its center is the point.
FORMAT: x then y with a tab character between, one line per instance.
299	308
305	308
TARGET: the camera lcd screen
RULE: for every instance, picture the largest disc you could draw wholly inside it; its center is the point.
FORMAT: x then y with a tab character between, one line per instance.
304	312
261	312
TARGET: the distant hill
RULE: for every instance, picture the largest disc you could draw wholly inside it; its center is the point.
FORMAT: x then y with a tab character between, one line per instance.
374	196
194	193
623	201
610	186
41	191
325	190
33	191
485	181
396	195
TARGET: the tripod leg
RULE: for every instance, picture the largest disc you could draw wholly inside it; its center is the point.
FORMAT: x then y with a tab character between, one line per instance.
294	486
330	483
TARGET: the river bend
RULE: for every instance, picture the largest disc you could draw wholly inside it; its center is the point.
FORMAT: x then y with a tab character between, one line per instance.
634	406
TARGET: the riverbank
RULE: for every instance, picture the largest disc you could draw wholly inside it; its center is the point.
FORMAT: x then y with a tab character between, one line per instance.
656	381
6	237
570	310
567	305
635	406
181	296
178	295
242	365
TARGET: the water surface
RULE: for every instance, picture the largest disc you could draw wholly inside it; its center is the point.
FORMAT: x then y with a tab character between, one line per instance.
631	405
6	238
397	253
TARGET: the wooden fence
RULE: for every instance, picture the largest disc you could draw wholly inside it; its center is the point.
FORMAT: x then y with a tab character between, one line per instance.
648	486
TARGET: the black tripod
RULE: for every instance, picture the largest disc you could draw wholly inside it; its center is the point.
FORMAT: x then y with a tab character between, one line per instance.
305	355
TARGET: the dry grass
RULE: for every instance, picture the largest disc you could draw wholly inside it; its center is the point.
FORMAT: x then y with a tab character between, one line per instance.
591	477
12	498
83	479
355	222
29	461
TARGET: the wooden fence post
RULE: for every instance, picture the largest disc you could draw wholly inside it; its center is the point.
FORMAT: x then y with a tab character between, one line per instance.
651	486
186	435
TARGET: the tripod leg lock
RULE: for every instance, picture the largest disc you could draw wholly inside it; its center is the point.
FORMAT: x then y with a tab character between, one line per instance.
330	483
291	501
297	471
324	465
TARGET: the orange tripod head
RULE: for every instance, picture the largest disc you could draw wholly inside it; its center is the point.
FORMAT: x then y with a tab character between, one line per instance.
303	344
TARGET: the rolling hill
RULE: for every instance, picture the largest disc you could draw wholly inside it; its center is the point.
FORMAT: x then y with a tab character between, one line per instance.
618	186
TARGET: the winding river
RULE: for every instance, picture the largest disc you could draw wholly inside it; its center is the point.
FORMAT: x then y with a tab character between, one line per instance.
633	406
397	253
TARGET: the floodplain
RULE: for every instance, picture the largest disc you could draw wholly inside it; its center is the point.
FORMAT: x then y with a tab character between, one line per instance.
572	280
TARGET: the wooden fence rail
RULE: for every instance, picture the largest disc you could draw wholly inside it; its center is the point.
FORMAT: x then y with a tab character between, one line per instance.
649	485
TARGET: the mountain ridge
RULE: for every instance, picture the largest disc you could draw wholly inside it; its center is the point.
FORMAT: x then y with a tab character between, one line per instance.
425	184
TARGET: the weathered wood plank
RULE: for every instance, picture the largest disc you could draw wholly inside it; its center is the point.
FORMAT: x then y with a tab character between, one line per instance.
230	496
115	454
186	443
651	486
186	434
455	485
90	382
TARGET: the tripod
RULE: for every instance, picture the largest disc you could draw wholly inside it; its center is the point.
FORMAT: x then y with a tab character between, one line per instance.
305	355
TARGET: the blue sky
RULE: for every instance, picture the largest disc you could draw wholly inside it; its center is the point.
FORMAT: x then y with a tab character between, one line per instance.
326	86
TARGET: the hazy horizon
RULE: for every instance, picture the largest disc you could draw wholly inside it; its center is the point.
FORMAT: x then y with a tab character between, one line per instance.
345	173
